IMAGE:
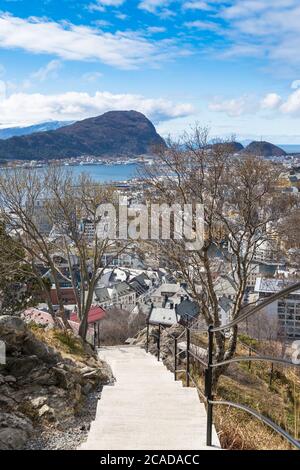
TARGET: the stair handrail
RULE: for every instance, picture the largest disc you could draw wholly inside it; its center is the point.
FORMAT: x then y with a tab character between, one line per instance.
210	364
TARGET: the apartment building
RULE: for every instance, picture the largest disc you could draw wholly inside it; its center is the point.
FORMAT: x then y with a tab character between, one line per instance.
286	311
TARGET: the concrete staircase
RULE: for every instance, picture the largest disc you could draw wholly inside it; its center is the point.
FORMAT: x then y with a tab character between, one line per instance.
146	409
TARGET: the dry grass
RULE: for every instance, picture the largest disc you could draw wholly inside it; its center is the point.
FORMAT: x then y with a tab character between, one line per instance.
65	342
239	431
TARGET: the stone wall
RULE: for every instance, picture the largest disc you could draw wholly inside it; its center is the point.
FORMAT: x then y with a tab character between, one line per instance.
40	386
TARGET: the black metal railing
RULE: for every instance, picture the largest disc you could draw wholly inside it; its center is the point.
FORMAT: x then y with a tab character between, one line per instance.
210	365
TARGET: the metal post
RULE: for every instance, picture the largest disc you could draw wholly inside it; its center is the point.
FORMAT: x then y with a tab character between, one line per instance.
158	343
249	363
208	387
94	335
147	344
175	358
271	375
188	342
98	334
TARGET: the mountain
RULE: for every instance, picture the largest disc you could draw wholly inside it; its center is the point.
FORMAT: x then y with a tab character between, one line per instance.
43	127
114	133
263	149
231	147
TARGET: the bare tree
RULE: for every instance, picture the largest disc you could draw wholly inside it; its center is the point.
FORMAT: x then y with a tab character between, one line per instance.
22	212
29	200
72	200
241	207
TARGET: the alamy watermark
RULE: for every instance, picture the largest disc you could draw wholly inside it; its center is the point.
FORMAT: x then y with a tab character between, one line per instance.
152	222
2	352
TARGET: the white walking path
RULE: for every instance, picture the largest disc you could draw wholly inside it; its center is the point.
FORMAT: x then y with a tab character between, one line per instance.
146	409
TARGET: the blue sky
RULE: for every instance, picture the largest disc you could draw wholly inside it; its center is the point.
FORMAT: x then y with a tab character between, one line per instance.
232	65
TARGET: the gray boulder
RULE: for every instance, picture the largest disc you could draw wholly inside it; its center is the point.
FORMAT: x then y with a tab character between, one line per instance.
14	430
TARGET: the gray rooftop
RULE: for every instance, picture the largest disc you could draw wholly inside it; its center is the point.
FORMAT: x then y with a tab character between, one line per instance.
271	285
165	316
225	304
187	309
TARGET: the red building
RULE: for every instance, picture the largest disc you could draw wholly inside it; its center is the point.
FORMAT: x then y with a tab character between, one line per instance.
96	314
67	293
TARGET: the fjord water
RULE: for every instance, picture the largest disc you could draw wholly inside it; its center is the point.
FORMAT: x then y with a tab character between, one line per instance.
106	173
291	148
100	173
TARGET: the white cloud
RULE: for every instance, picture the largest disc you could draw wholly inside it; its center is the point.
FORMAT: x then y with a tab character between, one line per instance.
111	3
158	7
122	49
49	70
288	106
92	76
102	23
263	28
2	90
233	107
244	8
2	70
292	104
156	29
153	6
271	101
25	108
295	84
100	5
121	16
202	25
196	5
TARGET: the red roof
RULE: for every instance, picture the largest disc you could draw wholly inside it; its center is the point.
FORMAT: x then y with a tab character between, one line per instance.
96	313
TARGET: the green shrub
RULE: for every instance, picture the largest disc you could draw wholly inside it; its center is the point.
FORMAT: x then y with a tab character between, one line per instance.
70	341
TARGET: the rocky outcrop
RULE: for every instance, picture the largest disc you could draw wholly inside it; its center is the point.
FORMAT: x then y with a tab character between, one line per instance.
40	386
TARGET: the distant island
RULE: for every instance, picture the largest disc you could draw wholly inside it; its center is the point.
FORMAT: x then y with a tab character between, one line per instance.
264	149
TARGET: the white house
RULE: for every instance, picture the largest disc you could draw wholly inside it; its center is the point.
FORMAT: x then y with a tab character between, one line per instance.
173	294
120	295
225	286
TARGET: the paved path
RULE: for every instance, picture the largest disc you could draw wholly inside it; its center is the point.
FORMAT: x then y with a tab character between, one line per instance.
146	409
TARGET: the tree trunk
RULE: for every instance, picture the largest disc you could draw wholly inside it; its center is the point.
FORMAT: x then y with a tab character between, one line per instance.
61	311
227	354
83	328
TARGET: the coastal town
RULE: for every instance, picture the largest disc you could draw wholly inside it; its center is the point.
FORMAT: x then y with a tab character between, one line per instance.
78	161
138	283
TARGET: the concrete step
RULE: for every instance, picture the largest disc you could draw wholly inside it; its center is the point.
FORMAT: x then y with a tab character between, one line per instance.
146	408
168	394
